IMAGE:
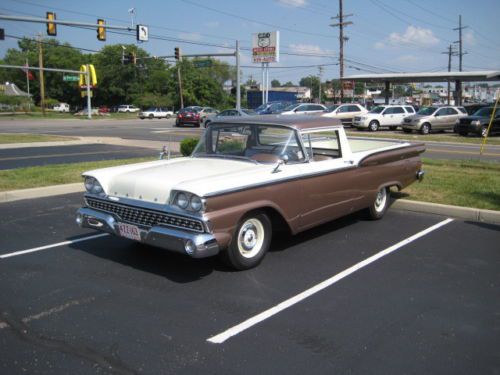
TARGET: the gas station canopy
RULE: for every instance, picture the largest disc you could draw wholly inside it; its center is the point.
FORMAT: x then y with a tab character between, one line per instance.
477	76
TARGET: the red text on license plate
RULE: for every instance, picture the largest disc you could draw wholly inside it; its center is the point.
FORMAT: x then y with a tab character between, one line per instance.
129	231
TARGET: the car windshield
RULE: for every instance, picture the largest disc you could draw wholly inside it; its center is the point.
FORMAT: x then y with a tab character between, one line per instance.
152	109
291	107
484	112
378	109
332	108
261	107
252	143
189	109
426	111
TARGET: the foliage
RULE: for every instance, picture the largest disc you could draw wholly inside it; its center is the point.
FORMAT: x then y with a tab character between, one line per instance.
188	145
275	83
313	83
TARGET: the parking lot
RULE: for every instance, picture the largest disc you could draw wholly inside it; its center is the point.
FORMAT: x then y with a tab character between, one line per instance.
412	293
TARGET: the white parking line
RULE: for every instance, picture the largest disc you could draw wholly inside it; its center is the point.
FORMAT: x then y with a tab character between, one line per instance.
221	337
22	252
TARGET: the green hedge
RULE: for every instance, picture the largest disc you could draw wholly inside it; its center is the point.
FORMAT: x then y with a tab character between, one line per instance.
188	145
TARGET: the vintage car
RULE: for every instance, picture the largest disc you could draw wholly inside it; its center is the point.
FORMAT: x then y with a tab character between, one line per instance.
247	177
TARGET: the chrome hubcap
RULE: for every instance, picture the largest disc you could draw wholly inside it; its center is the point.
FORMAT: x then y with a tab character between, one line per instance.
250	238
380	200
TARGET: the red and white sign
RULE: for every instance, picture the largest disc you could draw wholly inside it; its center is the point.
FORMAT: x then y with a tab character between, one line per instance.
266	47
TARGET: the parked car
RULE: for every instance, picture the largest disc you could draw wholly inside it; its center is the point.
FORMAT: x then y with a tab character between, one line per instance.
247	177
155	112
390	116
231	113
433	119
104	109
207	114
302	109
345	112
189	115
478	123
61	107
272	108
128	108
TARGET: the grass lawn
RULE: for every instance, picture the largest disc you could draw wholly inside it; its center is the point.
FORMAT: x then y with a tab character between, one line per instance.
55	174
27	138
414	137
458	183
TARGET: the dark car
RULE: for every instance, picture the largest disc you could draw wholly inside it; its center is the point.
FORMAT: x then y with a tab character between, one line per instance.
472	108
478	123
272	108
189	115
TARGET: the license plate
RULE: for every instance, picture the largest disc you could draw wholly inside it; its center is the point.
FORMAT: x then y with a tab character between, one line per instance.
129	231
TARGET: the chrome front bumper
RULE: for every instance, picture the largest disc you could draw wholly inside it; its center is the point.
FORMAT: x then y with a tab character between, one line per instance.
176	240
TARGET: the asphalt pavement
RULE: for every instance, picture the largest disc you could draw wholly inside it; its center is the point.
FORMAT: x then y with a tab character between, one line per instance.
38	156
77	304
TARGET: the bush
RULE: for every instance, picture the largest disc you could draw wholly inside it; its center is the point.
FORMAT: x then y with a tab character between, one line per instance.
188	145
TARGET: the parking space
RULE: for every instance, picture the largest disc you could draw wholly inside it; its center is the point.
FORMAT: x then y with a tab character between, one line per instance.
108	305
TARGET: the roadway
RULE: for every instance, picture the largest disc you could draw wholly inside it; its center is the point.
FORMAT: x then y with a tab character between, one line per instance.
164	130
81	304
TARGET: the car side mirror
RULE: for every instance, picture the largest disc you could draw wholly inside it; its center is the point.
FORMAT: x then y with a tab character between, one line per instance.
283	160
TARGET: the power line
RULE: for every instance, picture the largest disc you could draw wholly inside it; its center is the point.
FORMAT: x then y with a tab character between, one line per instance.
51	44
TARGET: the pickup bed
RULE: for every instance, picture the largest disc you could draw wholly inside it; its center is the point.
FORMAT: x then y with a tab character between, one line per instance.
246	178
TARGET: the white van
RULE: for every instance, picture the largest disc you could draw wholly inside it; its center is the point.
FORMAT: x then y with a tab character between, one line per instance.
61	107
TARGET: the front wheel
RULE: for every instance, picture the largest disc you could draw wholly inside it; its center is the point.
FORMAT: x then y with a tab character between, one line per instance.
250	242
373	126
425	129
484	131
379	206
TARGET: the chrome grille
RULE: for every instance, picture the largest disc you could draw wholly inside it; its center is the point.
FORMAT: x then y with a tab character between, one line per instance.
148	218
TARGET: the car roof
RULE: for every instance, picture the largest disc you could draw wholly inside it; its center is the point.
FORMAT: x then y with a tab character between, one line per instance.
299	122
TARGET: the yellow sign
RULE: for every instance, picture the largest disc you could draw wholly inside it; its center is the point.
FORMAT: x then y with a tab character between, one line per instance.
83	76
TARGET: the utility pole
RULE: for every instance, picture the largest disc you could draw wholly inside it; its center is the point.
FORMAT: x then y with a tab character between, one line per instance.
342	39
42	81
459	41
320	75
450	53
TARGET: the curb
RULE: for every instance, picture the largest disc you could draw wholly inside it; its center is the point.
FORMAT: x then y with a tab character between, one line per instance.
41	192
465	213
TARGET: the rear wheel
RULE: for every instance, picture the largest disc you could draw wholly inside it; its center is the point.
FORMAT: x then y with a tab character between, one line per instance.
373	126
250	242
151	116
425	129
379	206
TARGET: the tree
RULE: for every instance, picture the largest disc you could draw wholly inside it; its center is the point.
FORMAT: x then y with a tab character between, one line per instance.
312	82
288	84
275	83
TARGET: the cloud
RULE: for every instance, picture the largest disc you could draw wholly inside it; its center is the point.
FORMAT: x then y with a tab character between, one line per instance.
293	3
307	48
414	35
469	38
379	45
212	24
190	36
407	59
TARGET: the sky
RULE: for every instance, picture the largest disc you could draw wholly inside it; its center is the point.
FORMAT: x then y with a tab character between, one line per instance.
385	35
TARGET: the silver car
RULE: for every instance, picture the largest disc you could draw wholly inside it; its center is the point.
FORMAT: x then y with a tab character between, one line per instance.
433	119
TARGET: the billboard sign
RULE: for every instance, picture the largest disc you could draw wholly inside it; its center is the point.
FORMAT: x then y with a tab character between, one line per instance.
266	47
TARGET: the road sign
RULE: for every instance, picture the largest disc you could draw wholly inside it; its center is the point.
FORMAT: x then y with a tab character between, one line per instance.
71	78
142	33
202	63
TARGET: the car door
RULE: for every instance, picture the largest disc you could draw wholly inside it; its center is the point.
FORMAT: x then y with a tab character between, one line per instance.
398	115
440	119
451	118
329	187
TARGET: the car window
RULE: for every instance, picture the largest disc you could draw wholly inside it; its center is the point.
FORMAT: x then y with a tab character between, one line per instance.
352	108
342	109
426	111
389	111
322	145
398	110
442	112
377	109
452	111
462	109
410	109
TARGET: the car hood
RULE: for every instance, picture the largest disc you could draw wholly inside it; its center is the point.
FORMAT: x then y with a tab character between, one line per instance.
153	181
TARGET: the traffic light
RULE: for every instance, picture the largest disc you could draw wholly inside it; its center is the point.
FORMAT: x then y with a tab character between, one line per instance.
177	53
101	31
51	26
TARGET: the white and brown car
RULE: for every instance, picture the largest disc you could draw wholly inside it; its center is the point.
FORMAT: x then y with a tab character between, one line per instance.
345	112
246	178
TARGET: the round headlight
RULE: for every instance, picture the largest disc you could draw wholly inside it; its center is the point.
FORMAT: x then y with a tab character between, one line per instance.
182	200
97	189
196	203
476	122
89	184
